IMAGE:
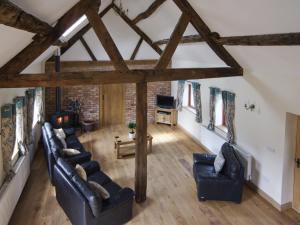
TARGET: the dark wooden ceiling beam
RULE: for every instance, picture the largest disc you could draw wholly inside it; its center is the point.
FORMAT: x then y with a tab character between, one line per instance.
142	34
13	16
23	59
205	32
83	31
284	39
88	49
174	41
105	39
89	66
136	49
113	77
152	8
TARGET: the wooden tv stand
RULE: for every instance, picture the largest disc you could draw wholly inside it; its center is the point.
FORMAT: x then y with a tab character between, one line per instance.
166	116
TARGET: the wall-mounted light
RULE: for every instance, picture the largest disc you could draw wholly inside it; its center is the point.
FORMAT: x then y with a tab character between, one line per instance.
250	107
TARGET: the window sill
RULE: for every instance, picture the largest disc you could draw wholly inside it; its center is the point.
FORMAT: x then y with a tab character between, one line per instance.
190	109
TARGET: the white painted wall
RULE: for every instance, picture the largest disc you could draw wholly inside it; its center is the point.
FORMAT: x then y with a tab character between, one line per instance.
271	82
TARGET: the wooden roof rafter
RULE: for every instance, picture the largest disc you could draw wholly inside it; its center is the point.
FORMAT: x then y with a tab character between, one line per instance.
39	45
105	39
282	39
76	37
13	16
206	33
152	8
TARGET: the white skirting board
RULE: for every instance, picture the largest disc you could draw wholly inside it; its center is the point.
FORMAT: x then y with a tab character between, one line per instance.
11	192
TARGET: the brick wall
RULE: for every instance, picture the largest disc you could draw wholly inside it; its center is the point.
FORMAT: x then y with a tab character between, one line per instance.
156	88
88	96
90	102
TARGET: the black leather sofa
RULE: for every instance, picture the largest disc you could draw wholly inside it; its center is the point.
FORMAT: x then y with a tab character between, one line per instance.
226	185
82	205
53	148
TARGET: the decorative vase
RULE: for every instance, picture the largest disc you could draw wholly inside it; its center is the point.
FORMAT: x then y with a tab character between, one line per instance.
131	135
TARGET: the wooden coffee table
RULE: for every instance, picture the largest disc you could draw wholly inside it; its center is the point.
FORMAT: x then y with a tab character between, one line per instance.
124	141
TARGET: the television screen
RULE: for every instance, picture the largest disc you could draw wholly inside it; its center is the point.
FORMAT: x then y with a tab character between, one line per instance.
165	101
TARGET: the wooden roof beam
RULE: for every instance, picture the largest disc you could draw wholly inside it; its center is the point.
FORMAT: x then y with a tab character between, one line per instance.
13	16
283	39
83	31
136	49
113	77
152	8
205	32
105	39
88	49
142	34
174	41
23	59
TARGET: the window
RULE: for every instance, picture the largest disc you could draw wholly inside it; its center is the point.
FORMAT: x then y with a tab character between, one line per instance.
191	102
220	122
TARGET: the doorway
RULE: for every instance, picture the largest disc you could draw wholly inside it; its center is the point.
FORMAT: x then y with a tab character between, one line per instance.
296	189
112	105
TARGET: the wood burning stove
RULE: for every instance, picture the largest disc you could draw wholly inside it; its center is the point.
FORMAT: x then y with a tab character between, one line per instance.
61	119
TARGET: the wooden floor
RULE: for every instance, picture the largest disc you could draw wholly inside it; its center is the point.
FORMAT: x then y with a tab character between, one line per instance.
171	188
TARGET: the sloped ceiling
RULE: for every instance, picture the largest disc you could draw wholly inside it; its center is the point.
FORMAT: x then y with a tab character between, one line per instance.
229	18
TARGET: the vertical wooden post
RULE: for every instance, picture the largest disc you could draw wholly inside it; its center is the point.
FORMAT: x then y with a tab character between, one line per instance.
141	142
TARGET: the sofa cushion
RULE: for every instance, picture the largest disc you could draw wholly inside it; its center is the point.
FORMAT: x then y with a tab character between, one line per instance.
219	162
91	167
112	188
98	188
99	177
66	167
70	151
81	172
232	167
73	142
69	131
93	199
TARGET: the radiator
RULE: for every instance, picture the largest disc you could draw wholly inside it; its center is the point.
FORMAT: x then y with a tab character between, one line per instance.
246	160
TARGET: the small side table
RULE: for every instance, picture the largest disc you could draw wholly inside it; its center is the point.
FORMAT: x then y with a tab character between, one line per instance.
122	141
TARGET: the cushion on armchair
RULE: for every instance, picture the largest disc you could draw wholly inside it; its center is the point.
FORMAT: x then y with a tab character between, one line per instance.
219	162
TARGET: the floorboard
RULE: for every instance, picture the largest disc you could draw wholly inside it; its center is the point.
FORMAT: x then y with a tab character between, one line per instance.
171	187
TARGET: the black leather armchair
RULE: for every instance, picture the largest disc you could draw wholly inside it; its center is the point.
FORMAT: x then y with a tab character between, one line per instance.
225	186
53	148
82	205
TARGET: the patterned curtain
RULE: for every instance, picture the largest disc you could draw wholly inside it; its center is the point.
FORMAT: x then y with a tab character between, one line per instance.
180	91
29	106
197	101
212	107
8	133
229	111
21	120
38	106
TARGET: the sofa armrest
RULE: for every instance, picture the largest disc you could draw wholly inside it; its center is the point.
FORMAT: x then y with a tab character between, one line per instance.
124	196
91	167
80	158
69	131
204	158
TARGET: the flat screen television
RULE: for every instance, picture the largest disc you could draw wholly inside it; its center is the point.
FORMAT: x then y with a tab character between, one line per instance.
166	102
